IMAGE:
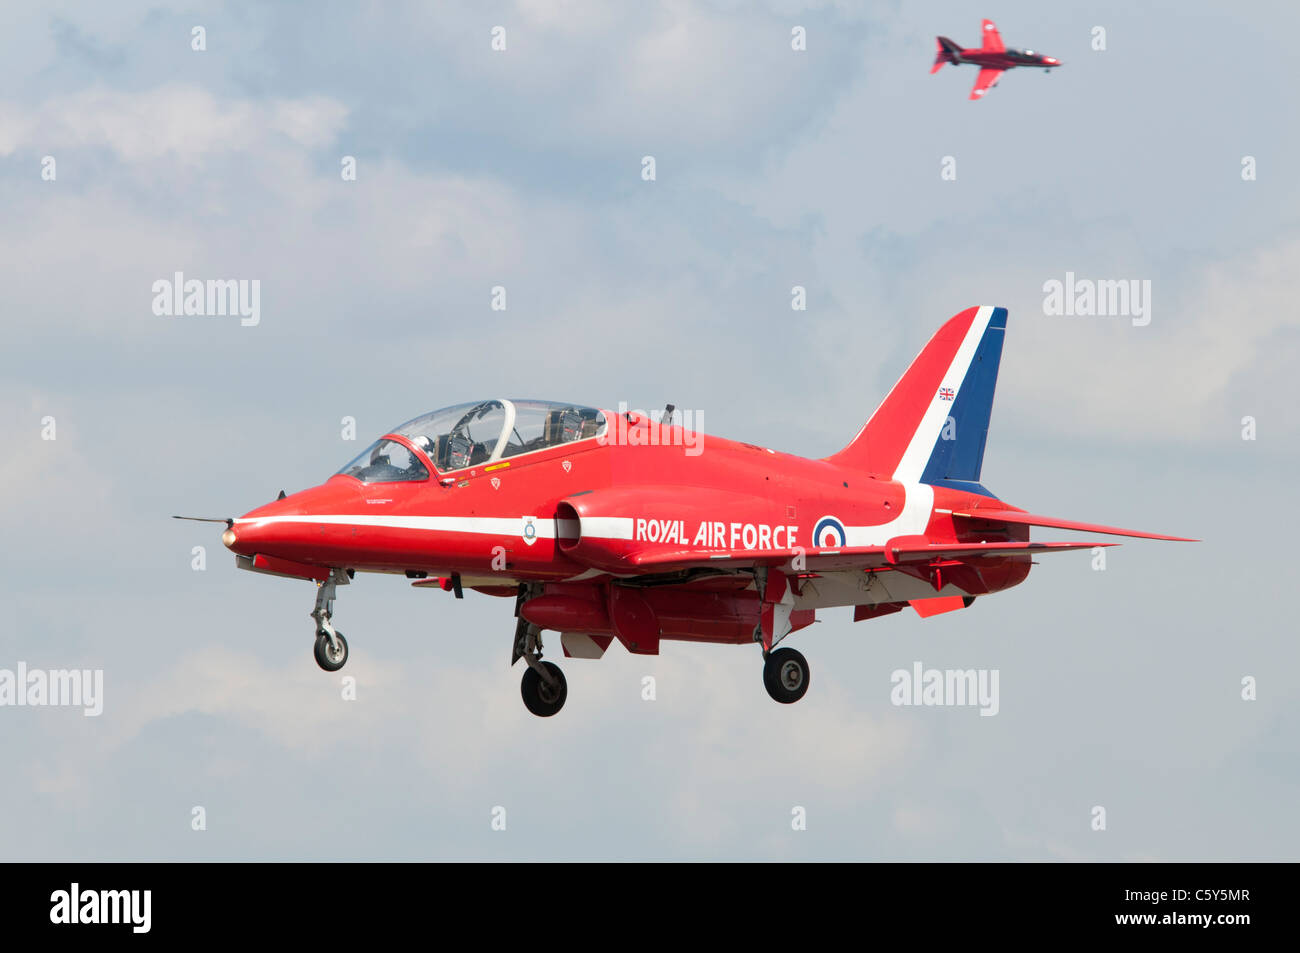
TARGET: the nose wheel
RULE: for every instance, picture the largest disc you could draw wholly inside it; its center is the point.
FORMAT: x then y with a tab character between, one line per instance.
331	656
785	675
331	648
543	686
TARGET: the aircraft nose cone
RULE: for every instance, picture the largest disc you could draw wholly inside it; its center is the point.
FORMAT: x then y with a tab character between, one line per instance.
249	536
245	539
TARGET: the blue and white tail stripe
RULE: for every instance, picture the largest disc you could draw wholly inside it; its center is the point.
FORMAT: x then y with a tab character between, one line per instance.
947	447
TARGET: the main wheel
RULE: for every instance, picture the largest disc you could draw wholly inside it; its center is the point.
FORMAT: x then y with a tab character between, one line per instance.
331	659
785	675
541	699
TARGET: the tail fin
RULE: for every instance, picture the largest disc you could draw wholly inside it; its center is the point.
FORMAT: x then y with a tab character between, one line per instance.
946	54
932	426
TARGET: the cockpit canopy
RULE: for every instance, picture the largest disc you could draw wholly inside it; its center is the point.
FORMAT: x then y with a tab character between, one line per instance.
471	434
387	461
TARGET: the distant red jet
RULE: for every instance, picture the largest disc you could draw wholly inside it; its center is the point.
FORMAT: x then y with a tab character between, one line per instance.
992	58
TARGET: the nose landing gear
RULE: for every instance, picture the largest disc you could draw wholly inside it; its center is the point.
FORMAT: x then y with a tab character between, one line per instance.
543	687
331	648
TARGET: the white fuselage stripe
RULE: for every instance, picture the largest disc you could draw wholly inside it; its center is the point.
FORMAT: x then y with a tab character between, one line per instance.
608	527
603	527
911	521
486	525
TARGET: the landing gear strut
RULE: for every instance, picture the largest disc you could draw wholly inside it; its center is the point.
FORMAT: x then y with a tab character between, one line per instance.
543	687
331	648
785	675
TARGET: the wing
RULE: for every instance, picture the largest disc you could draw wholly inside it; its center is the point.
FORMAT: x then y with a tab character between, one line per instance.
992	38
987	78
904	550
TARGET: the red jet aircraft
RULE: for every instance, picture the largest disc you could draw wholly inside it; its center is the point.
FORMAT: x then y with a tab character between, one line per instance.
992	58
603	526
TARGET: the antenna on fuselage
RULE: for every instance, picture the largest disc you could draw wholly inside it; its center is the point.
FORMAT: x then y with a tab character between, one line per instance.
667	416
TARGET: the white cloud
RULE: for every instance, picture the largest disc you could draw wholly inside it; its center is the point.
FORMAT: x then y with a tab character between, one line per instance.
1210	355
183	122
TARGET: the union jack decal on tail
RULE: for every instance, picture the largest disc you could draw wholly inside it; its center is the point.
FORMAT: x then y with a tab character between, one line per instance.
946	393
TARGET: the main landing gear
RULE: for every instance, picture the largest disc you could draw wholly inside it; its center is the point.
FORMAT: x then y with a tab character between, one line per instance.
543	687
785	675
785	671
331	648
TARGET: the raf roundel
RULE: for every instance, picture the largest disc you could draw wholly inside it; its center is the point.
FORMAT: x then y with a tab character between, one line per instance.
828	533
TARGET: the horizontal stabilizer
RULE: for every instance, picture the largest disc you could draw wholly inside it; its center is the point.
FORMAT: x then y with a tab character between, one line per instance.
1020	518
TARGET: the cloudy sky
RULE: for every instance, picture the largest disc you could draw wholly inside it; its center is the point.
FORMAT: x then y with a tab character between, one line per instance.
522	168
